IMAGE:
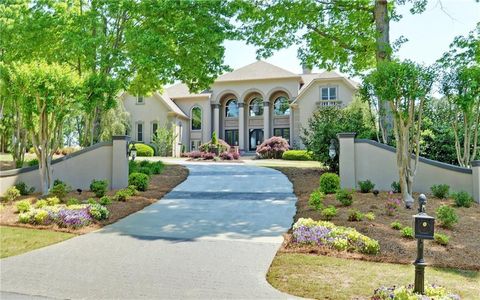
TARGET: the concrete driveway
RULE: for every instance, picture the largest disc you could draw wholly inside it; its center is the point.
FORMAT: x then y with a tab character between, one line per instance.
214	236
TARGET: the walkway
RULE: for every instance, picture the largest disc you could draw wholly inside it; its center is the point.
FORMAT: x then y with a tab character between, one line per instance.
214	236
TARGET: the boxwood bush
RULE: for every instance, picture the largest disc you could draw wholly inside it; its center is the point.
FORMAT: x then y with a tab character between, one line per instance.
440	190
139	180
345	196
297	155
366	186
447	216
24	189
462	199
316	200
99	187
144	150
329	183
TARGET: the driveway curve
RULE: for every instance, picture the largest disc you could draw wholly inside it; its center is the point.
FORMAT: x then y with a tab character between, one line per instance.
212	237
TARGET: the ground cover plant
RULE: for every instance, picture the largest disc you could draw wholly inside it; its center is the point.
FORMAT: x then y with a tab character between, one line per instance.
432	292
366	186
297	155
82	213
393	247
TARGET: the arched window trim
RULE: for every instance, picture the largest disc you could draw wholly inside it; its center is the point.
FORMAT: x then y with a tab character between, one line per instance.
274	108
251	105
191	118
227	110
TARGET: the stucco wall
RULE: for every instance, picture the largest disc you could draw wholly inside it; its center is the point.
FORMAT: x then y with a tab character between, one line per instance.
153	109
186	105
365	159
78	169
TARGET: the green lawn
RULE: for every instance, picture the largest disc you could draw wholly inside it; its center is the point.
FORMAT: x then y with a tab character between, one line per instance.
14	240
324	277
284	163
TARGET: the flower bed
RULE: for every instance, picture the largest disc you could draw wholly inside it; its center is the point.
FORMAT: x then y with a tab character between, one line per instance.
406	292
324	233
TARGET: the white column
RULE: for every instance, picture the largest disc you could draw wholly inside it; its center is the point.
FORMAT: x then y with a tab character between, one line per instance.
241	127
119	162
216	119
476	180
266	120
347	160
291	118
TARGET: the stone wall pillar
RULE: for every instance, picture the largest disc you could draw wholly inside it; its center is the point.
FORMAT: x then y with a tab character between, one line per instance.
266	120
119	162
476	180
216	119
241	127
347	160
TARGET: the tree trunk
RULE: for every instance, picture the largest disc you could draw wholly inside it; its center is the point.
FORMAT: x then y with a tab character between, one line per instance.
382	53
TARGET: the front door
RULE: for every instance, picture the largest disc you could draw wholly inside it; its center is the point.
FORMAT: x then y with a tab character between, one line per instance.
256	138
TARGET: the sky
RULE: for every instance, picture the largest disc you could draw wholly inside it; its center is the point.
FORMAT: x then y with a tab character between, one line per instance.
429	34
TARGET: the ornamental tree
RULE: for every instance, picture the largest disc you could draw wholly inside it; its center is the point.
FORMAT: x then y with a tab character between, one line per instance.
47	94
404	86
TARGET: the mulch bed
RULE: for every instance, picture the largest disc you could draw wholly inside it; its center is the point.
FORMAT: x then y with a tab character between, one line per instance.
462	251
161	184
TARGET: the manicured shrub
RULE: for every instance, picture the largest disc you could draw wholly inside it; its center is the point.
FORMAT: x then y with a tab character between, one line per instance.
33	162
396	225
145	170
132	166
324	233
396	188
59	189
73	201
12	193
441	239
156	167
208	156
41	203
23	206
366	186
345	196
297	155
51	201
392	205
329	183
462	199
131	190
354	215
370	216
316	200
440	190
98	212
139	180
91	201
23	188
447	216
273	147
407	232
226	155
122	195
41	217
99	187
329	212
214	145
195	154
144	150
105	200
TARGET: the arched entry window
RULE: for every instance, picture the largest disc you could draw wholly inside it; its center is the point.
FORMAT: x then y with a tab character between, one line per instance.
256	107
196	118
231	109
281	106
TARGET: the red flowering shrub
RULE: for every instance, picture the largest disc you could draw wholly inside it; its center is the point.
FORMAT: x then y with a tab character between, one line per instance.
195	154
208	155
273	147
235	155
208	146
227	156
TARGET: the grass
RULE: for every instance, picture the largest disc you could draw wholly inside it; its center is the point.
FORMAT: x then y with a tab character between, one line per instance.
14	241
284	163
324	277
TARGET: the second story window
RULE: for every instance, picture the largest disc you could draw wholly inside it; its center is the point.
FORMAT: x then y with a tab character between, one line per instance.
231	109
256	107
140	99
329	93
196	118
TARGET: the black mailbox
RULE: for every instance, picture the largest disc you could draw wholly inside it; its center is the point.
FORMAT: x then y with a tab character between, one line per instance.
424	226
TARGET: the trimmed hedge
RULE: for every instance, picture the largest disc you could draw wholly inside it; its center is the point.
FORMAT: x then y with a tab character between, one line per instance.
297	155
144	150
139	180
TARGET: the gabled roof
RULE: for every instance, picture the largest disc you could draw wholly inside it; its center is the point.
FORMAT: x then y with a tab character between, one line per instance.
180	90
171	105
310	79
257	71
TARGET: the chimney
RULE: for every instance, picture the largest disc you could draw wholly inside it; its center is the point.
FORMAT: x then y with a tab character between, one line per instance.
306	69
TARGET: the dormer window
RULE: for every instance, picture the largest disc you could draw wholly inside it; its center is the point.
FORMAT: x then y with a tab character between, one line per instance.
329	93
140	99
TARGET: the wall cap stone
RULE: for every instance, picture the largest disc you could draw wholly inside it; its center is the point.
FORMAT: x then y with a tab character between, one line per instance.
121	137
422	159
476	163
55	161
346	135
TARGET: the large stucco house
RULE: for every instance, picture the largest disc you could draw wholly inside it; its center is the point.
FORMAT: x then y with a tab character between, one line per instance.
243	107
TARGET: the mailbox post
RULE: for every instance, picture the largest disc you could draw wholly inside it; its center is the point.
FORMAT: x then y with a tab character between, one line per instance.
424	230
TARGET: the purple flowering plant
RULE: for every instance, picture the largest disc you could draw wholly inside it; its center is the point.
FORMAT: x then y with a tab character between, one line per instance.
392	205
